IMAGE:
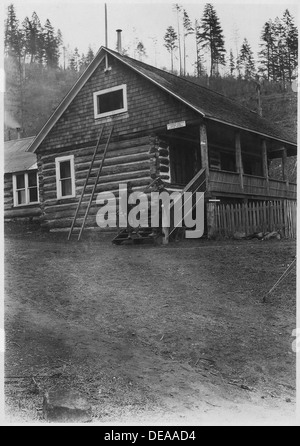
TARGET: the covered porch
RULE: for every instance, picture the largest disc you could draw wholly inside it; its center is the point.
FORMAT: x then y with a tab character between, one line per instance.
238	164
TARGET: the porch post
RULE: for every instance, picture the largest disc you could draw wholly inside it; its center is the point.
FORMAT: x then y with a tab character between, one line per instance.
265	163
238	158
284	167
204	152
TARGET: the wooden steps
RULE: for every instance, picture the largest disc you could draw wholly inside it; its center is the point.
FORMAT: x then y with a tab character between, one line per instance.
142	235
148	235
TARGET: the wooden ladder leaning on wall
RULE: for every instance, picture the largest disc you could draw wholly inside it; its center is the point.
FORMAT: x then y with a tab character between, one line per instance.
86	183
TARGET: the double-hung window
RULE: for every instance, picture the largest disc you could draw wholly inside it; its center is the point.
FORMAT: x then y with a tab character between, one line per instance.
110	101
65	177
25	188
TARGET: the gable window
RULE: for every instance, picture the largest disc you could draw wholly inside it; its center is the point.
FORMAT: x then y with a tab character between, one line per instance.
110	101
25	188
65	177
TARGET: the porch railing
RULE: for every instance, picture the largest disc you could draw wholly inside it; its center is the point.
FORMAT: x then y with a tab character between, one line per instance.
229	182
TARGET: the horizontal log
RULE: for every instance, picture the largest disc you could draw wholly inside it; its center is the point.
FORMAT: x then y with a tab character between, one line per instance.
8	194
134	145
106	172
84	163
167	164
47	166
50	206
50	195
163	152
165	161
164	168
120	177
22	212
116	169
8	199
111	159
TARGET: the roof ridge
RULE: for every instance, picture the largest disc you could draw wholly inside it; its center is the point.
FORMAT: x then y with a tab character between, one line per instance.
240	119
189	81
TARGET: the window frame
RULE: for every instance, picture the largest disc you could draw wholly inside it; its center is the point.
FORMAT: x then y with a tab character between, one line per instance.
96	95
26	189
59	160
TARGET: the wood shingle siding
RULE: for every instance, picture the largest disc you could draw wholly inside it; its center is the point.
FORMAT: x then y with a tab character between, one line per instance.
148	108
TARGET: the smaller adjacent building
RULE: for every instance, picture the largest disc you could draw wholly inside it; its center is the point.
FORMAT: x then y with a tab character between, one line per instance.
21	191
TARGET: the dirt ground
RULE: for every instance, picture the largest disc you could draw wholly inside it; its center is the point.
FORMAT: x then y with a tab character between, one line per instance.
161	335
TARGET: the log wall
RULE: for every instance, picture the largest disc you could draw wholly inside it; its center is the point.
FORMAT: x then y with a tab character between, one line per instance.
134	153
125	161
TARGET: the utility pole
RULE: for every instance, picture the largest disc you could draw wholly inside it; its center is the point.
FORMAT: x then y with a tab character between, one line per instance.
106	39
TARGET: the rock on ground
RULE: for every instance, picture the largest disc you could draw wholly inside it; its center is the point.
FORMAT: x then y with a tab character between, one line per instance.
63	406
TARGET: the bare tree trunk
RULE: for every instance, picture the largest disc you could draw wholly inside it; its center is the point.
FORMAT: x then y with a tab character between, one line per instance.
184	56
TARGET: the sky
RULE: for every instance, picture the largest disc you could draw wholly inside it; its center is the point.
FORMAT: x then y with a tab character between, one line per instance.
82	23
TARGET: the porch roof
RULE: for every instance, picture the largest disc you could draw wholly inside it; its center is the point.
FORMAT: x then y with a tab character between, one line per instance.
16	157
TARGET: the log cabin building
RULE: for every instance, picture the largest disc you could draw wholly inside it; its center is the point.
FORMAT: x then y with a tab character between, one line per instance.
163	126
21	192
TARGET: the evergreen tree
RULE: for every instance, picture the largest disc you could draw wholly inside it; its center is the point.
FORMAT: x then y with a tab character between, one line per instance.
82	62
231	63
267	67
90	56
211	36
141	50
14	44
178	9
199	65
188	29
246	61
279	54
13	35
51	43
170	39
290	32
33	37
74	62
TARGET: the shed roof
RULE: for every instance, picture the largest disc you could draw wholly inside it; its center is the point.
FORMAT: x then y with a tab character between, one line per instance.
207	103
16	157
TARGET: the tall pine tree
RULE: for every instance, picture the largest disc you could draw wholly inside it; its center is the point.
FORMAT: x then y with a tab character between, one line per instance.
246	61
33	38
231	63
170	39
188	29
279	53
291	42
14	41
211	37
51	43
178	9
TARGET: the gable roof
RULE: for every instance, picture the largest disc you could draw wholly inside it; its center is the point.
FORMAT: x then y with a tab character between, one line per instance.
16	157
208	103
